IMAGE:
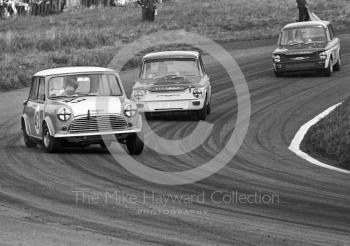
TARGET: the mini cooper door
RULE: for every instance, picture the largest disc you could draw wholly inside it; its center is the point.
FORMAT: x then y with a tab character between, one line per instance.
34	108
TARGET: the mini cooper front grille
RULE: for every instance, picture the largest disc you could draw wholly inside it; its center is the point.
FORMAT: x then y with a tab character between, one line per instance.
97	124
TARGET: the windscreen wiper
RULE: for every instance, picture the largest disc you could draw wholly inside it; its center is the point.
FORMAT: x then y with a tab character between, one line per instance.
58	97
295	43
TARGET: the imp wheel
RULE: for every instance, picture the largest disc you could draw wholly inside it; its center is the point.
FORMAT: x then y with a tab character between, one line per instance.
337	66
278	74
202	114
209	109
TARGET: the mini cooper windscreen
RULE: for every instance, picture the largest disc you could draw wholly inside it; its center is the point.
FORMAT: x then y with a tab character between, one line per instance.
84	85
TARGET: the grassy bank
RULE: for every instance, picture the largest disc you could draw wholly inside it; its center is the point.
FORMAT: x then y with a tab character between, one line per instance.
330	137
92	36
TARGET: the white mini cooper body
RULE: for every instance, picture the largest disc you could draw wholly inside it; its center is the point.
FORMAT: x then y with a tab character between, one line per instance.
77	106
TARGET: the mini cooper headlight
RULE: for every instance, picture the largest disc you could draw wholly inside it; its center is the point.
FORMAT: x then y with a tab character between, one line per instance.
130	110
64	114
197	93
323	56
276	58
138	95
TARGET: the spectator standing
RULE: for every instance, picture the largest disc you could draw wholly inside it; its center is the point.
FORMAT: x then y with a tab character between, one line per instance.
303	10
149	8
12	5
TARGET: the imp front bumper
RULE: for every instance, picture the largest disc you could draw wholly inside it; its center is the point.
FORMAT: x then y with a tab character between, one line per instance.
170	105
299	66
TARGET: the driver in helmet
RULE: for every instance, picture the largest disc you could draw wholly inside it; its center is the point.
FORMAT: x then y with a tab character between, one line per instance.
70	86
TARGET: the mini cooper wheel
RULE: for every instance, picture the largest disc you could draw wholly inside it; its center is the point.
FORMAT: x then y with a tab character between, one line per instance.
329	69
134	144
337	66
148	116
50	143
28	141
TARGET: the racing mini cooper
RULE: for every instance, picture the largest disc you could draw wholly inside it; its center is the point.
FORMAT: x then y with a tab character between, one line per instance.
306	46
80	106
173	81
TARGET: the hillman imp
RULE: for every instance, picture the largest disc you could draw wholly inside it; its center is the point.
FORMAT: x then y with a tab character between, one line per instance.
306	46
173	81
77	106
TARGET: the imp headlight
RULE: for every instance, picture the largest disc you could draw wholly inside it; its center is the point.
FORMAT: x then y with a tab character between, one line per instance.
197	93
138	95
64	114
130	110
276	58
323	56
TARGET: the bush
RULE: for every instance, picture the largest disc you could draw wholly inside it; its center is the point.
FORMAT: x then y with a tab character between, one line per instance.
330	137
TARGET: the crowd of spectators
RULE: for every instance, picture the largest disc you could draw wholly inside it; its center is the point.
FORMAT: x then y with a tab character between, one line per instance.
13	8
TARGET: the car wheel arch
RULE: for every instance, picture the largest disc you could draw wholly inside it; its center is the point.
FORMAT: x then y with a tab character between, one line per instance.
207	99
24	123
47	121
53	145
332	62
28	141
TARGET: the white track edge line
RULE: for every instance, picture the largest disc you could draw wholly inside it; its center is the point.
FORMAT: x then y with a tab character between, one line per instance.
298	138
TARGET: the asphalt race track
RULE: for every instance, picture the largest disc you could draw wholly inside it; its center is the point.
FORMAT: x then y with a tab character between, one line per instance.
37	190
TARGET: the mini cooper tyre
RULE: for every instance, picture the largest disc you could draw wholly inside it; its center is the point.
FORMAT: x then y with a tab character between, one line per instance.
28	141
50	143
134	144
148	116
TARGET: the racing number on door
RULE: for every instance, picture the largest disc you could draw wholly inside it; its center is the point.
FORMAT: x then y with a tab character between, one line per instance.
39	107
37	120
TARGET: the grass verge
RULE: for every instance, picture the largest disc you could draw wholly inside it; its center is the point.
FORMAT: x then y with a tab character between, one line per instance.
91	36
330	137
